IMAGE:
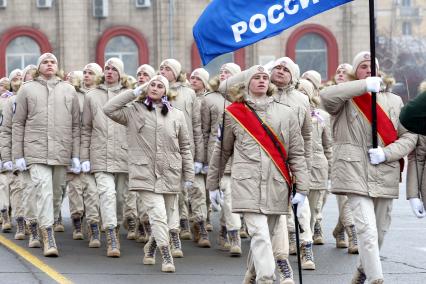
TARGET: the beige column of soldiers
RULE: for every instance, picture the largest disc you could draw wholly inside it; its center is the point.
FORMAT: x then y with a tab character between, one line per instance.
258	190
104	153
159	158
144	73
369	177
11	186
46	137
212	109
186	101
82	191
321	156
285	75
345	223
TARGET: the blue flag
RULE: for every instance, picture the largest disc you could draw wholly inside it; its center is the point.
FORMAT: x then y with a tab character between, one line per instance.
228	25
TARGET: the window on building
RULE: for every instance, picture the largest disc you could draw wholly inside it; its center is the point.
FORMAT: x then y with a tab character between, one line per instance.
21	52
311	54
406	3
214	66
126	49
406	28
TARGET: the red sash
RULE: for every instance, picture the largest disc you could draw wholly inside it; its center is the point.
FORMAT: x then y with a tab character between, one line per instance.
385	128
247	119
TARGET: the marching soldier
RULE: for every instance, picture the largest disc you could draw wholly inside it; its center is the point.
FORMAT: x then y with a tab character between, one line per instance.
159	157
104	152
185	101
46	137
260	179
368	176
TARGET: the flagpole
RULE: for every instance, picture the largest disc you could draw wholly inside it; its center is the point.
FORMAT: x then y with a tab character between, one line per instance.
373	72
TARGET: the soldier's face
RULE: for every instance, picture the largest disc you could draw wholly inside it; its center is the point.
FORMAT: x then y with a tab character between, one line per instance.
156	90
3	88
364	70
89	78
196	83
48	67
16	82
29	75
111	75
142	77
281	76
259	84
341	76
168	73
224	74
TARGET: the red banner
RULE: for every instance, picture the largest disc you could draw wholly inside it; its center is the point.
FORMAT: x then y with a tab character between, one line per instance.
247	119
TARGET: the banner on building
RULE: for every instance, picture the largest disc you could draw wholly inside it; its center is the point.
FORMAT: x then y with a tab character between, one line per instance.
228	25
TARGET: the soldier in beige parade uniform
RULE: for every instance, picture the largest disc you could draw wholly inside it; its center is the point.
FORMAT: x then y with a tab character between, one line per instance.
285	75
259	191
46	136
322	143
368	176
26	201
197	195
10	184
212	109
82	191
345	223
144	73
416	174
185	101
159	158
104	152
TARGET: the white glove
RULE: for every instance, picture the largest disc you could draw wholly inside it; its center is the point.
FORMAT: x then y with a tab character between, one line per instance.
418	208
205	170
20	164
373	84
75	166
187	185
138	90
329	184
216	198
298	199
8	166
198	167
85	166
377	155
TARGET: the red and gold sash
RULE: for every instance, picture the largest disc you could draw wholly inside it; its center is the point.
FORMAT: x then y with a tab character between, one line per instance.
248	120
385	128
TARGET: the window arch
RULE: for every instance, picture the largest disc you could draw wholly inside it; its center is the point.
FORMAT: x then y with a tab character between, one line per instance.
20	46
239	57
126	43
314	47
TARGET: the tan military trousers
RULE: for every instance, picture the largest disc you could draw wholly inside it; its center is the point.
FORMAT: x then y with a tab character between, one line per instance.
163	214
113	190
83	196
345	213
196	199
262	230
316	204
29	195
11	191
304	222
59	190
232	221
372	217
43	179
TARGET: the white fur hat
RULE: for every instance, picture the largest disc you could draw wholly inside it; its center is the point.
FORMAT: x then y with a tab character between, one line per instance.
202	74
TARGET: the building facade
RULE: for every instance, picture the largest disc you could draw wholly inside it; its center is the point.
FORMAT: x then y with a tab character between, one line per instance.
143	31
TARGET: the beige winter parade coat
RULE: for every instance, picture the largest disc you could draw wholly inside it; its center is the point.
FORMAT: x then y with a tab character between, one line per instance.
416	174
159	146
103	141
352	171
257	185
46	123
